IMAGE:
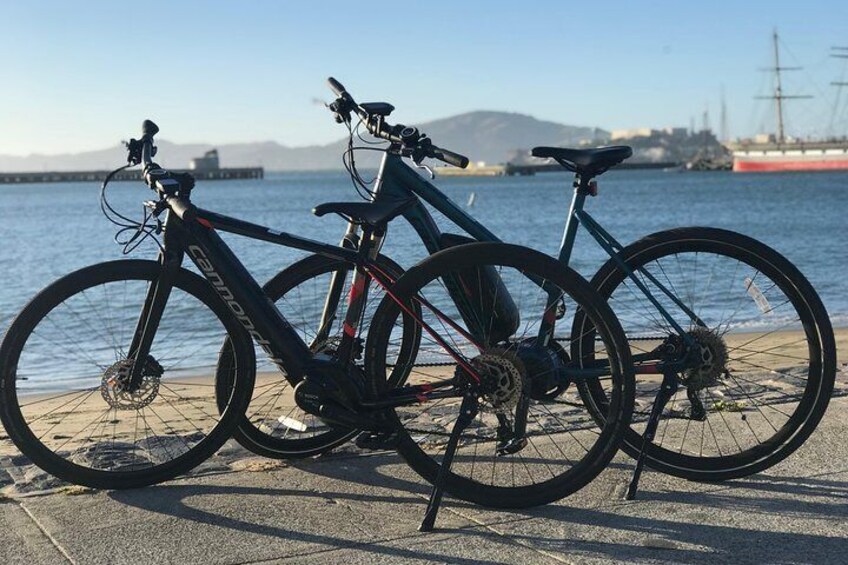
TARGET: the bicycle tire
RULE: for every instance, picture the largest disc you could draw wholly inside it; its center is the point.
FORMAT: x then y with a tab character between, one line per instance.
57	298
786	282
579	472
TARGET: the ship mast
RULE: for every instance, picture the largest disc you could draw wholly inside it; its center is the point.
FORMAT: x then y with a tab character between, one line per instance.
839	53
778	95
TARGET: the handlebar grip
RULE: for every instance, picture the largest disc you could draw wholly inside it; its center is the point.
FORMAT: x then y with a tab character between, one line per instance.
149	129
336	87
450	157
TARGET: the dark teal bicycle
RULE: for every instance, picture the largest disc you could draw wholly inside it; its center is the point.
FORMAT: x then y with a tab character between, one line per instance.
733	349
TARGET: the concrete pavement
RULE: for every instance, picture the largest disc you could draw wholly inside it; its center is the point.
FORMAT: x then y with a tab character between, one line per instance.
352	508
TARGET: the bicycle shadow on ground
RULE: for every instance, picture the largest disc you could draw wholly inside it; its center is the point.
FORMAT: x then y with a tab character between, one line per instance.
764	494
688	542
578	531
171	500
375	470
830	496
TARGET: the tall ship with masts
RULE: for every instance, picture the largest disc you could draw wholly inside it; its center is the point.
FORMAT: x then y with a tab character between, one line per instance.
778	152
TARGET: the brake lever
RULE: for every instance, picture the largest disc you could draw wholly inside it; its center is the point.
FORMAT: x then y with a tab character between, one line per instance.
156	207
418	154
134	147
133	151
341	113
420	165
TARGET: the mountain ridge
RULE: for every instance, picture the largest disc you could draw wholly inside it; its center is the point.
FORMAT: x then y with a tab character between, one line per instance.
483	135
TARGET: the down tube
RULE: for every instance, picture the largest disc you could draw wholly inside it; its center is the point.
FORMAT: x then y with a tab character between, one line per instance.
240	291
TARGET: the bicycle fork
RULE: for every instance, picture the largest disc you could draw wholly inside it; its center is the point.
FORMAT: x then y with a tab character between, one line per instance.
151	314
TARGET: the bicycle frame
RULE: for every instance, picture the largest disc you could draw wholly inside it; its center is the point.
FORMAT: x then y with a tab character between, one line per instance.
197	238
396	180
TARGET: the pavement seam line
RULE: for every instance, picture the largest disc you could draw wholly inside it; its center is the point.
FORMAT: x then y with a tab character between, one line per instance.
506	537
354	545
44	531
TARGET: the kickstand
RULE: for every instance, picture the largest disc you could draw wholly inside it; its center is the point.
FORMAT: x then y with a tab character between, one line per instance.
467	413
667	390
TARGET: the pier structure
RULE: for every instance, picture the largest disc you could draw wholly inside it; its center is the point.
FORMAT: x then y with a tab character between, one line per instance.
207	167
127	175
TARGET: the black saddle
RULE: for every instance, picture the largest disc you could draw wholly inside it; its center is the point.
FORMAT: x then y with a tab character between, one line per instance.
371	213
586	162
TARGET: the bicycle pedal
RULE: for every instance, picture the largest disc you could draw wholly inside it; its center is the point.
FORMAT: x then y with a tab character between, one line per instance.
377	441
512	446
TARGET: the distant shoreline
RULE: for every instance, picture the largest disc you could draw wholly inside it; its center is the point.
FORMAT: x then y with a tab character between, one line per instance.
99	176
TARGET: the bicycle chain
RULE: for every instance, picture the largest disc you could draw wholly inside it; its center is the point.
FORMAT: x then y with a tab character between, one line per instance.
561	340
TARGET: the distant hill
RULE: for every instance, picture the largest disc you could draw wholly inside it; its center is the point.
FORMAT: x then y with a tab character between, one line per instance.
494	136
482	136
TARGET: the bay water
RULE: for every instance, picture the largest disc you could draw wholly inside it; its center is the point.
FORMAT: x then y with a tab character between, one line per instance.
49	230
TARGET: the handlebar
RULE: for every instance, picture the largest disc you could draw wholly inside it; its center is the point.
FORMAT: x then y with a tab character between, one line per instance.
412	142
173	188
336	87
148	130
450	157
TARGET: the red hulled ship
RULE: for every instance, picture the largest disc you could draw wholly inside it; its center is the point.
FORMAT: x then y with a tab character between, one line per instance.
770	153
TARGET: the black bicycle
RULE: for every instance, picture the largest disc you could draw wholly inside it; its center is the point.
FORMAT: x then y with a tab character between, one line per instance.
733	348
145	404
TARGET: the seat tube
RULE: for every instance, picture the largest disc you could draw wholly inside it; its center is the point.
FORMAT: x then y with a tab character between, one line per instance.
351	240
570	232
358	297
546	328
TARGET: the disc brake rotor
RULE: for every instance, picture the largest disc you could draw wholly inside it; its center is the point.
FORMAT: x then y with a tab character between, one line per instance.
503	377
114	385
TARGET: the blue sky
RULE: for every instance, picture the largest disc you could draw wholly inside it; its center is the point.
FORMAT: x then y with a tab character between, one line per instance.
76	76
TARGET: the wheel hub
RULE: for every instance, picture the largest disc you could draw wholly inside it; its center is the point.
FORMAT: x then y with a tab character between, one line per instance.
543	367
115	389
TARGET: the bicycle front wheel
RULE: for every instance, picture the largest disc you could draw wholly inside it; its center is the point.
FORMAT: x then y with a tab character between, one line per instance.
482	305
770	357
65	357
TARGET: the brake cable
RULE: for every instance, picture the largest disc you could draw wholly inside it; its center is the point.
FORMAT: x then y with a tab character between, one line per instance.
137	231
362	186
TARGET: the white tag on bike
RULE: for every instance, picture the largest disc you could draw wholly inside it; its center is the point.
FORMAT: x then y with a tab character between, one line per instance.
755	293
292	424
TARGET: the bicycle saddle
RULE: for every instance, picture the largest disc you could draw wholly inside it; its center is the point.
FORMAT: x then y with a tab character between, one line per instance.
372	213
586	162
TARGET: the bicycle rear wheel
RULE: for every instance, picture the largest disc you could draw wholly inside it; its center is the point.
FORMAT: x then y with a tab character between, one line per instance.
774	357
563	448
64	358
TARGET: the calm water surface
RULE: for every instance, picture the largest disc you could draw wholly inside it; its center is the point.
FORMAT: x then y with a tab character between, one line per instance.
51	229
